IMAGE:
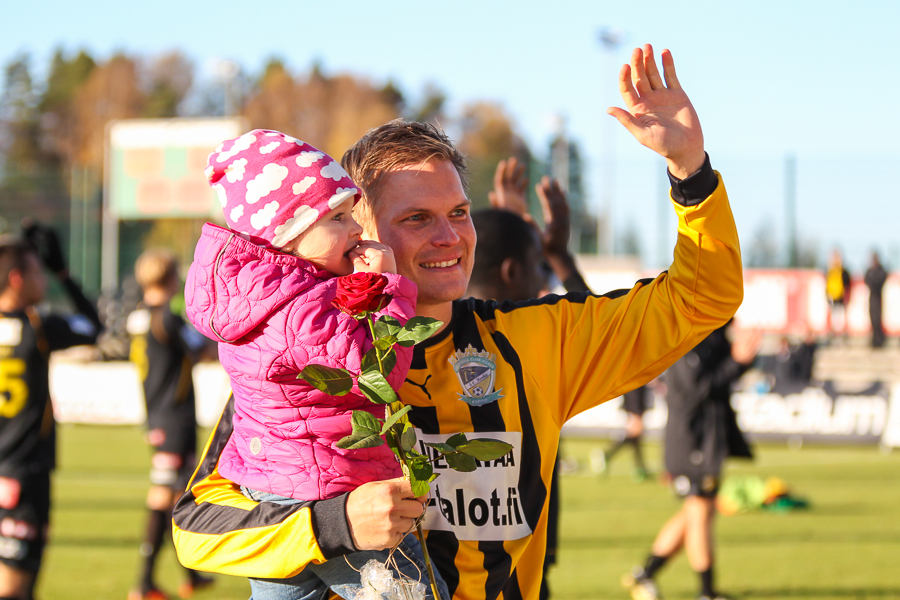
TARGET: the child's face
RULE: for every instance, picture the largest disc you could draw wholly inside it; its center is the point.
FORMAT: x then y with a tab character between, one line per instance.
328	241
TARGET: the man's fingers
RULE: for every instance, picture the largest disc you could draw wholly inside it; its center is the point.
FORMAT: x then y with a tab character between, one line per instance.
629	94
627	119
499	174
519	178
669	71
638	73
652	71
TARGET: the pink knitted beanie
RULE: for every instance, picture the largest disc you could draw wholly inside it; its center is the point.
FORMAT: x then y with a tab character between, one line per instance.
274	187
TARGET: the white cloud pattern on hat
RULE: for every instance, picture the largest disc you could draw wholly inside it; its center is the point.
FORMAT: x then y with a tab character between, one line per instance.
235	171
306	159
334	171
303	217
263	217
240	144
266	182
269	147
303	185
340	195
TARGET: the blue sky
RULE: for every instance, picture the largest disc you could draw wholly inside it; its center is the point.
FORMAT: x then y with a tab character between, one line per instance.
818	80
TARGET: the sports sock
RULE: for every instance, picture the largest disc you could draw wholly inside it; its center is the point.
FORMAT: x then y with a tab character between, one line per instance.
654	563
157	523
706	583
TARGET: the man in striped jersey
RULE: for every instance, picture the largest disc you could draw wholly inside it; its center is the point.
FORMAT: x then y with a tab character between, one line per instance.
511	371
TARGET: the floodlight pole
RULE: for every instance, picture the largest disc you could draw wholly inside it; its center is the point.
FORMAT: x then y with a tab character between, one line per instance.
109	249
790	207
610	39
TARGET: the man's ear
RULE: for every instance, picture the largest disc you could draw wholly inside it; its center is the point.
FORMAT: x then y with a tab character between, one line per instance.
510	271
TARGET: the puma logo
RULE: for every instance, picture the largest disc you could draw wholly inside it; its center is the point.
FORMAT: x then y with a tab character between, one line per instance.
421	385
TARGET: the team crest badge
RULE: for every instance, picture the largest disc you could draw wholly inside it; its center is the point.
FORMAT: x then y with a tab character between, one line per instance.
476	370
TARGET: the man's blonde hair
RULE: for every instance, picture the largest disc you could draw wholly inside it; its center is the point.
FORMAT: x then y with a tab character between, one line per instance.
395	144
155	268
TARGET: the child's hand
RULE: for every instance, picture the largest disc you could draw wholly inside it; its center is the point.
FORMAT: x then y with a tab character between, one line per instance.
373	257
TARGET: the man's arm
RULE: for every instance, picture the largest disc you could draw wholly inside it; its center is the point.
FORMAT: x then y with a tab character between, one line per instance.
216	528
85	326
594	348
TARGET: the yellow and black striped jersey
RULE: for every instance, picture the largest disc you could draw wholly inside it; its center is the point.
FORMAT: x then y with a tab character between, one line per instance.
511	371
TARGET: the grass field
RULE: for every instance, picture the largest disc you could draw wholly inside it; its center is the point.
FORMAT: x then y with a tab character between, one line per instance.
846	546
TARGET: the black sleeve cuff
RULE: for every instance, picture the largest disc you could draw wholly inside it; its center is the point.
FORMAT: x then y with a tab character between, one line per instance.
329	522
696	187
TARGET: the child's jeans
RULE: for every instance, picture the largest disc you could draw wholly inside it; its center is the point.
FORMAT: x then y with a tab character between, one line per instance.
314	581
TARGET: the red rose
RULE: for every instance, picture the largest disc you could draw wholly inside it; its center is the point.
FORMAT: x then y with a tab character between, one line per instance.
361	293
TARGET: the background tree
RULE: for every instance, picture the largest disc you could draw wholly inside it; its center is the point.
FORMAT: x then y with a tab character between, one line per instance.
487	137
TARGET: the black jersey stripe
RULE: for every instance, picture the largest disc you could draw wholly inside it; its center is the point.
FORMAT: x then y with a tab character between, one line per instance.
512	591
531	486
487	308
498	565
442	548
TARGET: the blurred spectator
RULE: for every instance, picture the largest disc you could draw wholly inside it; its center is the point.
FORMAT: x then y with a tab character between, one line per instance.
701	432
164	346
837	290
875	278
27	427
513	259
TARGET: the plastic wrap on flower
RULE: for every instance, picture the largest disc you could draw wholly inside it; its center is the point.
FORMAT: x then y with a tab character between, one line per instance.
376	576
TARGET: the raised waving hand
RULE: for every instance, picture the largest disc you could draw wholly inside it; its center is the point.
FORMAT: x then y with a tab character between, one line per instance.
658	113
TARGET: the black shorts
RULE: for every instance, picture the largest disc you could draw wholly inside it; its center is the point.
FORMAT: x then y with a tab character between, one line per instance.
174	459
702	485
23	529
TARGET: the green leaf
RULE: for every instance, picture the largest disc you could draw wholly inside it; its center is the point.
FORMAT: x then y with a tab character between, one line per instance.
419	476
460	462
365	421
335	382
366	432
485	449
369	360
456	440
394	418
355	441
385	343
408	438
387	326
376	388
417	329
442	448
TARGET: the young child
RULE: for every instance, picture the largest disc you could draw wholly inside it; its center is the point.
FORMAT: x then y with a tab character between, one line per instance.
263	289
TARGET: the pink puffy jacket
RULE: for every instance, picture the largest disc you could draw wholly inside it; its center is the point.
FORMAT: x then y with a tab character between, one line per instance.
271	314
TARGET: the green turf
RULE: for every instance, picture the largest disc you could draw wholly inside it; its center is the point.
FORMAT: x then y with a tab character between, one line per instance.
846	546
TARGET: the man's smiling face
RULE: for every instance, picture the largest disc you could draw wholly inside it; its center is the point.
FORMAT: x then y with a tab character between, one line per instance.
422	213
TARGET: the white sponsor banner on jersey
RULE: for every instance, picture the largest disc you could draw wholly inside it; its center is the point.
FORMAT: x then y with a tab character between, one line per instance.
484	505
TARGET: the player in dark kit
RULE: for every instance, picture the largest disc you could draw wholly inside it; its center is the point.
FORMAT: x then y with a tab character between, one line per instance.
27	428
163	346
701	432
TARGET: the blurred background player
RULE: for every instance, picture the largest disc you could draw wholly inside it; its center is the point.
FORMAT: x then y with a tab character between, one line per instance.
635	403
514	260
875	279
27	427
164	347
701	432
837	290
